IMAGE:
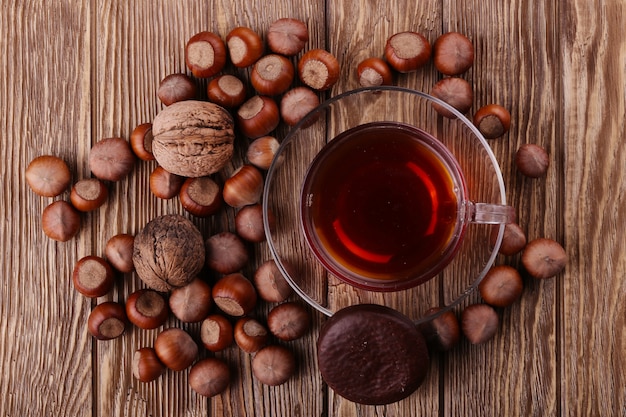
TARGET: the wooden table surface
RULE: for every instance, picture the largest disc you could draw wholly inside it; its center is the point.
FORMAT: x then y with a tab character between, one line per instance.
74	72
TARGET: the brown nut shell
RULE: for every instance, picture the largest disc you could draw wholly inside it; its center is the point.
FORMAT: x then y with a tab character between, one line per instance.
168	252
193	138
544	258
358	346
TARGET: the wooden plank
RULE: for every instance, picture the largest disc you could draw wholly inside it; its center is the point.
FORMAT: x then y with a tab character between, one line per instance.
594	289
517	372
354	34
45	98
138	44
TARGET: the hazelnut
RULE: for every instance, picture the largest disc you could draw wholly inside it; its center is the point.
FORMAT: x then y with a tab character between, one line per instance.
273	365
176	87
235	295
205	54
272	75
501	286
141	141
93	276
492	120
454	91
227	91
453	53
244	187
89	194
216	333
513	239
270	284
443	331
209	377
258	116
175	349
191	303
245	46
287	36
289	321
147	309
261	151
168	252
201	196
374	71
479	323
48	176
111	159
249	223
250	334
544	258
225	253
407	51
60	221
119	252
107	321
146	365
193	138
532	160
297	103
164	184
318	69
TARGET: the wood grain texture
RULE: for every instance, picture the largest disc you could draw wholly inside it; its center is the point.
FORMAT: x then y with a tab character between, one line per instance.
594	289
74	72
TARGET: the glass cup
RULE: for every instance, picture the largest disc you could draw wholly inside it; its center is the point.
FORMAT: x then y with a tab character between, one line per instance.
376	198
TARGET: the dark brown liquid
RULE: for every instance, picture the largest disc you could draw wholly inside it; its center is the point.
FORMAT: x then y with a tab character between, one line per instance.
381	201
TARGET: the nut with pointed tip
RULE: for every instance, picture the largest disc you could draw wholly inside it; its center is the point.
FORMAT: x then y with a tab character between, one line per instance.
111	159
501	286
209	377
48	175
513	240
261	151
176	87
191	303
287	36
442	332
453	53
270	284
374	71
244	187
164	184
258	116
273	365
141	141
454	91
289	321
119	252
544	258
60	221
532	160
479	323
225	253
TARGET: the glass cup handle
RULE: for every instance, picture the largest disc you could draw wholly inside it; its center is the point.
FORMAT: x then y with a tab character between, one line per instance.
485	213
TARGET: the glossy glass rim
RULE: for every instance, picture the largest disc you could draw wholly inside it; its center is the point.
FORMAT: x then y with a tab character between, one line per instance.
325	105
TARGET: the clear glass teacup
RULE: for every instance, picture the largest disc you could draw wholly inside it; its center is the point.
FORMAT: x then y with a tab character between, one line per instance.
376	195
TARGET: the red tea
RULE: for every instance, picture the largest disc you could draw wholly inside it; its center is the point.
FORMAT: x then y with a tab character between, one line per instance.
381	203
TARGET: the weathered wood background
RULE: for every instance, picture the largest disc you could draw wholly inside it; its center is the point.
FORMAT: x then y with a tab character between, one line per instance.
73	72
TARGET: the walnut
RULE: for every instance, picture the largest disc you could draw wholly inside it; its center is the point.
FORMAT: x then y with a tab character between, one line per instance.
168	252
193	138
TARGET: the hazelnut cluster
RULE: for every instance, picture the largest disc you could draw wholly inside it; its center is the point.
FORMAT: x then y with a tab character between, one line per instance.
224	310
452	54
